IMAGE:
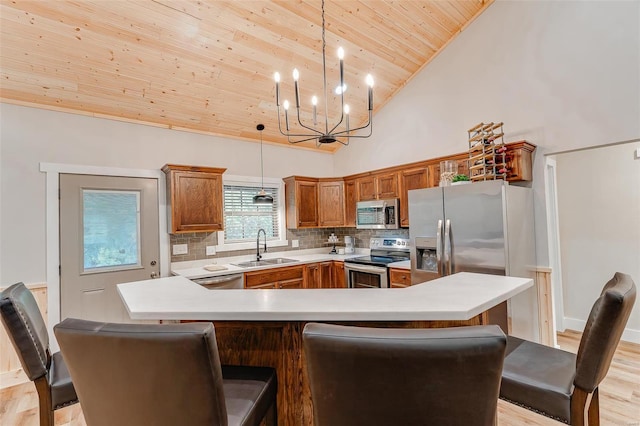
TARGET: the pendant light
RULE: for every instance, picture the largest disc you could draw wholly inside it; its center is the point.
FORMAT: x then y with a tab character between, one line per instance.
262	197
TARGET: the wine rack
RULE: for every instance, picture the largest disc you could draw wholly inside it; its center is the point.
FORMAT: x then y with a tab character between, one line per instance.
487	152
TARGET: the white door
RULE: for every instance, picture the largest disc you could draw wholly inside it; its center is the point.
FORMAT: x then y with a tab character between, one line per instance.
108	235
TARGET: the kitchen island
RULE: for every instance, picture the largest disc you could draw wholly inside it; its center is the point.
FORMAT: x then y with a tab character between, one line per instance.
264	327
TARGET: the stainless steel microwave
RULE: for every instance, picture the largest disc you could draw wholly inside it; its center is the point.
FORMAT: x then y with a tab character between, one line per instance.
377	214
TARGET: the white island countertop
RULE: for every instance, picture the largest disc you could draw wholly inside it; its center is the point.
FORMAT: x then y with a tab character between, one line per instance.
457	297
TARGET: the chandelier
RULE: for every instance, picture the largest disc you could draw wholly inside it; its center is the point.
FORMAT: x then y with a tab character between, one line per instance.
330	133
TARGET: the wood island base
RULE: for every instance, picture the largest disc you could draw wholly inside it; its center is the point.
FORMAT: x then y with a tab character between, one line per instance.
279	345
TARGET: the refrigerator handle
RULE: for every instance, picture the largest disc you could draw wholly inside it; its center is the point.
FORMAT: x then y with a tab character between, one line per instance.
439	249
447	248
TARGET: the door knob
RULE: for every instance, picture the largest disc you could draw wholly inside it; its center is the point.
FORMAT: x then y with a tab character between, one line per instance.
154	275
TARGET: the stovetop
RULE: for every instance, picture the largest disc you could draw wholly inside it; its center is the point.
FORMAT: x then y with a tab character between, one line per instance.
384	250
376	260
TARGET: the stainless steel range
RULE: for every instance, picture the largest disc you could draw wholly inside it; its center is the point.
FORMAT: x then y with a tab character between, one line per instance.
371	271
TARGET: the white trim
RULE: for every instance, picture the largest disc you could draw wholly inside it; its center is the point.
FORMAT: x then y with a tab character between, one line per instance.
629	334
268	182
53	171
553	242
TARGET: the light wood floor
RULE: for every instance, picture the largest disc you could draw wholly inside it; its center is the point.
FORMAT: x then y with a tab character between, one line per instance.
619	396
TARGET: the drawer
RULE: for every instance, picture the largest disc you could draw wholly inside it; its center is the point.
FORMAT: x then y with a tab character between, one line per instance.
252	279
402	277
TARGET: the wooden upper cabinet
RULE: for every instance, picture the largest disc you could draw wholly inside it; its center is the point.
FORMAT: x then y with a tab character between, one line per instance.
195	199
366	188
519	161
331	205
378	186
387	185
350	200
410	179
301	196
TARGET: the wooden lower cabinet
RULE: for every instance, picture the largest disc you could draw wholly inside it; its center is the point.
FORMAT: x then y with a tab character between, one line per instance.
287	277
328	274
338	279
399	278
279	344
318	275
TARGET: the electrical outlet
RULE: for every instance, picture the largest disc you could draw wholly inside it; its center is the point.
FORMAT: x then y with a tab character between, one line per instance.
211	250
180	249
295	243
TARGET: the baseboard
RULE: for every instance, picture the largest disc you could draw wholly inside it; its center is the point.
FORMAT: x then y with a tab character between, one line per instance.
629	334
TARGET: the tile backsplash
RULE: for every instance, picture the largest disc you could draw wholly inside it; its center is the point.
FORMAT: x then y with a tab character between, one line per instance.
307	239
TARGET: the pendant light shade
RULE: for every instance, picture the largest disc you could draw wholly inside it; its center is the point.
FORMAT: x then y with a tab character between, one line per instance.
262	197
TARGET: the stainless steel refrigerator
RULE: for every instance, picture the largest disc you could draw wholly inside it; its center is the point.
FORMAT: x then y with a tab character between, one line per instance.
485	227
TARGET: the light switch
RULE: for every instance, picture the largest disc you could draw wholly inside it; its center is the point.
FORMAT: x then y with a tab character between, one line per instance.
180	249
295	243
210	250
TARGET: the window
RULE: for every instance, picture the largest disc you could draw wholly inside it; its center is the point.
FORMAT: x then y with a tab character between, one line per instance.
111	234
243	218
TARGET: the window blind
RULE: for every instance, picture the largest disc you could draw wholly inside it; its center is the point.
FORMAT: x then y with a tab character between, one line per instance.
243	218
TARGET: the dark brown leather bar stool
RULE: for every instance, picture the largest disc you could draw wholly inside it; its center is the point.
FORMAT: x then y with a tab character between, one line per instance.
563	385
379	377
161	374
28	333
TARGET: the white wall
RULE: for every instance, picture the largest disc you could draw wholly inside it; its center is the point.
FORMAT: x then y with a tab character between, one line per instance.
30	136
561	75
599	216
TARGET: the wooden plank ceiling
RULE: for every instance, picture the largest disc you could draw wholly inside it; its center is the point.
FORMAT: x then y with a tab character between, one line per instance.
207	66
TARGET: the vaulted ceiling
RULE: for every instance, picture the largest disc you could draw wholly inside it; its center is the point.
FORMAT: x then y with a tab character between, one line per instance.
207	66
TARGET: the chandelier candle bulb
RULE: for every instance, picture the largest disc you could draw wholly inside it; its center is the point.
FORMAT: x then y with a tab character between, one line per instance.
346	112
369	81
296	76
286	114
314	102
276	77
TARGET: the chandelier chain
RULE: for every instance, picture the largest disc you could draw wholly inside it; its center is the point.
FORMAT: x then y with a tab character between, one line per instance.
324	73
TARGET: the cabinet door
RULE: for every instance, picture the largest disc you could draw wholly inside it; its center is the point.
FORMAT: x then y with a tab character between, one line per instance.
387	185
312	275
366	188
196	202
331	203
399	278
338	278
434	175
519	162
326	277
410	179
350	200
307	203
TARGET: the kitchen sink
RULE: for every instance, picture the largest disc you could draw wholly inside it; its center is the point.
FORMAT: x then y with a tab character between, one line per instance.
279	260
265	262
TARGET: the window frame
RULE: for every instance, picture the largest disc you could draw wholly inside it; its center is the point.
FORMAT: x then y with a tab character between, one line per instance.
256	181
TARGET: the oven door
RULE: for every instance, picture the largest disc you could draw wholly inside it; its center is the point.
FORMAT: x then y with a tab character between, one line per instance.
365	276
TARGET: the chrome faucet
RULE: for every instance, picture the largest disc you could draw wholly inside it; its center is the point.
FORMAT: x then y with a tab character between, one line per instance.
258	256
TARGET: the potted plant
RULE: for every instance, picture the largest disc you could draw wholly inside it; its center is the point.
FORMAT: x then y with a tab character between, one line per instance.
460	180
